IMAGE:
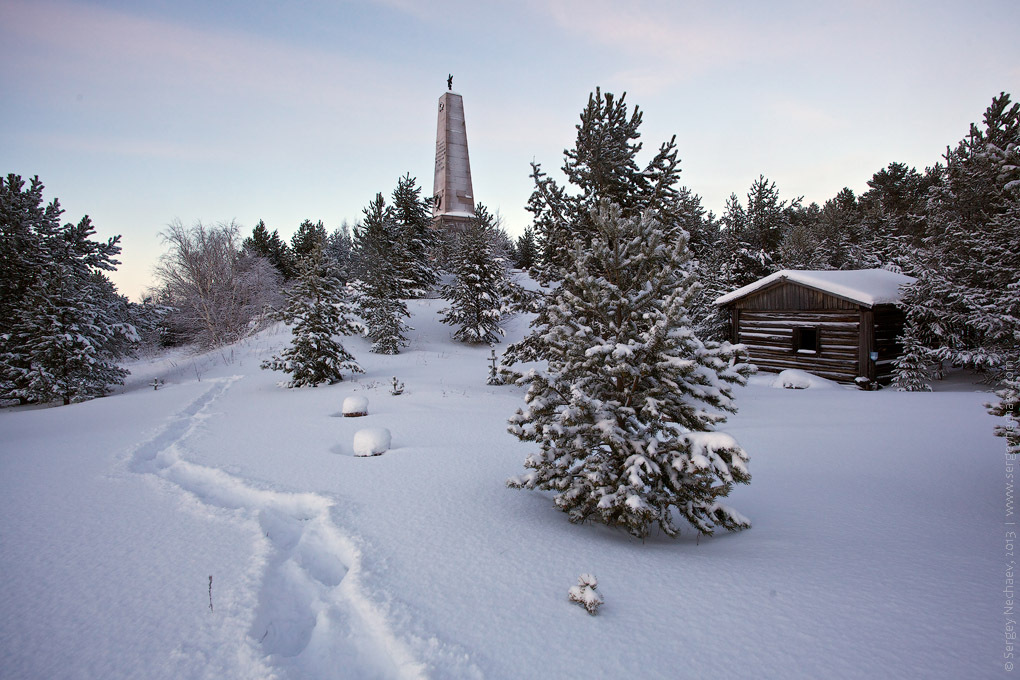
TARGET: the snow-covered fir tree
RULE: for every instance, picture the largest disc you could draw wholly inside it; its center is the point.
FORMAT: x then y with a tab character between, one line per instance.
381	281
318	310
964	301
626	402
417	240
480	281
64	328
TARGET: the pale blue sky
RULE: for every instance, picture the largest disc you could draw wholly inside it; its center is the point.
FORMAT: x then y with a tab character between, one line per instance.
138	113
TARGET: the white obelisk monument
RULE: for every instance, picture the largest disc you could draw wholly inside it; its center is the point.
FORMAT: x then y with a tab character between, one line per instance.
453	199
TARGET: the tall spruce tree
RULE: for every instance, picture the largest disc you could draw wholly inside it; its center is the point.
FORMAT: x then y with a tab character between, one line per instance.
416	238
318	310
477	294
625	406
381	279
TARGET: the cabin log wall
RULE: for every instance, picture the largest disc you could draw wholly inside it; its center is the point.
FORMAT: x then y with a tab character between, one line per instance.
768	336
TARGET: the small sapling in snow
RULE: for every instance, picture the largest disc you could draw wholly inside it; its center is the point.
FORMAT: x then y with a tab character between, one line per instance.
156	383
584	593
210	592
494	377
398	387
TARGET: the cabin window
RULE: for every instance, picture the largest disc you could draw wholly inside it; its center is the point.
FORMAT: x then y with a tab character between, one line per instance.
806	340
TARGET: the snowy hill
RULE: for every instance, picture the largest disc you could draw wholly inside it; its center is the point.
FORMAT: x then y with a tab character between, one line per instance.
876	548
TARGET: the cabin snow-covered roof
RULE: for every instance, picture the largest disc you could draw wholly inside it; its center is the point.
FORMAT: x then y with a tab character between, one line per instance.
867	287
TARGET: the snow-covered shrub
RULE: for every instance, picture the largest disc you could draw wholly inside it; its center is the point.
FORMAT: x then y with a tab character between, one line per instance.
494	377
355	406
865	383
584	593
371	441
397	388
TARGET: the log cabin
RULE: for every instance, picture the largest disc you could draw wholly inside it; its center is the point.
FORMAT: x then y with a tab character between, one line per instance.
835	324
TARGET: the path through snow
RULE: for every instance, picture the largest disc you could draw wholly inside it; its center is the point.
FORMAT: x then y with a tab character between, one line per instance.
312	614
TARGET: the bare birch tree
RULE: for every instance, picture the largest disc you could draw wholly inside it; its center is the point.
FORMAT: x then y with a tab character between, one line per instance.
219	293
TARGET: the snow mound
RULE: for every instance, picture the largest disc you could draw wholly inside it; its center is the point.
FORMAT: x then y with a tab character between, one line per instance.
355	406
371	441
794	379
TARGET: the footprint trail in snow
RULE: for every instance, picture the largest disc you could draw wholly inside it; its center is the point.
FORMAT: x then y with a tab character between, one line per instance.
313	618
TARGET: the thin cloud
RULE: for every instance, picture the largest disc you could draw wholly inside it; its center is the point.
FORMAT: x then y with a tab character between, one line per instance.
678	38
121	146
139	52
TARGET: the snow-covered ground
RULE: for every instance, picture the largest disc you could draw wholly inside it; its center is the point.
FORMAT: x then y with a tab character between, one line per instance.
877	548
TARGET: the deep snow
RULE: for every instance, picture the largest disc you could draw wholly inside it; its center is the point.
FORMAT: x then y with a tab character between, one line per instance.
876	549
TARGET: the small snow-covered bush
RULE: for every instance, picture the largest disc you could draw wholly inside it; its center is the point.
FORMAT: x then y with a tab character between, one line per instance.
371	441
494	377
355	406
865	383
584	593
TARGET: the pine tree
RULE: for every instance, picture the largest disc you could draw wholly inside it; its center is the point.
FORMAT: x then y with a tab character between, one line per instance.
412	216
380	283
476	295
64	336
839	234
892	212
603	165
271	247
340	251
625	407
527	250
309	238
27	229
963	302
1008	407
318	310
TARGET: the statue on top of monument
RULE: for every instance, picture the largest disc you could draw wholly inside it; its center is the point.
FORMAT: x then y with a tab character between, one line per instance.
449	82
